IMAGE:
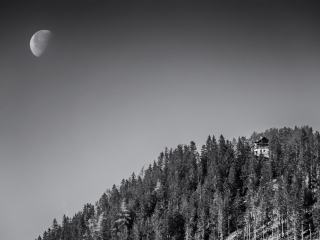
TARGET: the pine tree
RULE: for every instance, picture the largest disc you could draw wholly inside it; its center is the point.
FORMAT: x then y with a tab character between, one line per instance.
105	229
65	233
316	212
176	225
122	222
49	234
54	232
45	236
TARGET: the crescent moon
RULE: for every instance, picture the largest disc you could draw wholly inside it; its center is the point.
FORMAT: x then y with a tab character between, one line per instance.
39	42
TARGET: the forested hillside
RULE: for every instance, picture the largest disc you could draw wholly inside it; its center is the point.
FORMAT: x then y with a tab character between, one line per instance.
223	191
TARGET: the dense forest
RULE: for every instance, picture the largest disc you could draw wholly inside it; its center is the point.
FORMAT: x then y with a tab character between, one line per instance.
223	191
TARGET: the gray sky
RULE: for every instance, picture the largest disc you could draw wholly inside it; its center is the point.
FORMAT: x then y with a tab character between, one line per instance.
119	82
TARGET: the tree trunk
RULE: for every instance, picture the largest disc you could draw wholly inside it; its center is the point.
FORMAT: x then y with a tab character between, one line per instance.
310	231
294	230
249	230
282	234
187	231
255	229
244	233
287	224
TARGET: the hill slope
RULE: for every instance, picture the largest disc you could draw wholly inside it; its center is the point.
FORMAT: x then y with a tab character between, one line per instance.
224	192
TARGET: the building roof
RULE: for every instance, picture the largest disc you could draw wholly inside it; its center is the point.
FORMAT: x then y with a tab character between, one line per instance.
263	140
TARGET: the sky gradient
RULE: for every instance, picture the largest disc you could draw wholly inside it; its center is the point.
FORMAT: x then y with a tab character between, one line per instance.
120	81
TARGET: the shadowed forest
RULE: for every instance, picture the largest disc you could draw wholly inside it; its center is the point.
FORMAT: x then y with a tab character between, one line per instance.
222	191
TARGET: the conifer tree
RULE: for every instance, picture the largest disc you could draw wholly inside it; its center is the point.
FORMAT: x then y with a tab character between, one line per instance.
54	232
316	212
45	236
122	223
176	225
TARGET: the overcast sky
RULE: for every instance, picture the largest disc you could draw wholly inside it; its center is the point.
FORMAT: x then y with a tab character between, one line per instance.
119	82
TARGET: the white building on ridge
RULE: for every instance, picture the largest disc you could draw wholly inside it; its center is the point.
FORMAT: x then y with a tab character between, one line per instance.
261	147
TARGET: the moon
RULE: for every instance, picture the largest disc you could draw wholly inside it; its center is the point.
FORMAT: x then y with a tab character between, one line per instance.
39	42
